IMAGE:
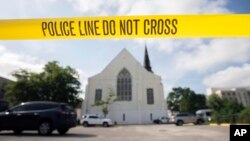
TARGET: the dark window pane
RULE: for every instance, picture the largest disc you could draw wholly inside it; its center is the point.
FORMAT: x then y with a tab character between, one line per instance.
18	108
123	117
150	96
124	91
208	114
93	117
98	95
65	107
40	106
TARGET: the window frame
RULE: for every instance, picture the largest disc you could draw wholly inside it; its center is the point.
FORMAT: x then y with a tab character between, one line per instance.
124	85
98	97
150	96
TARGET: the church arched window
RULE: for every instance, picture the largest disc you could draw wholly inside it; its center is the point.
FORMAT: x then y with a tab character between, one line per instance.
124	86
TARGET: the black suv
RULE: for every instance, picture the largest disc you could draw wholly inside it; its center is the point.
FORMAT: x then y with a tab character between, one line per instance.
42	116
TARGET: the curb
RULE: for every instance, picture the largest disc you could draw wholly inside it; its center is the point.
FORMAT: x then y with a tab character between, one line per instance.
222	124
227	124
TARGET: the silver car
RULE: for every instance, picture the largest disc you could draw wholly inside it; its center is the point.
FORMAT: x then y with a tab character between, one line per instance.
183	118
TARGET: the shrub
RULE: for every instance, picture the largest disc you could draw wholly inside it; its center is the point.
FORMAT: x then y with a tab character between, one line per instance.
244	116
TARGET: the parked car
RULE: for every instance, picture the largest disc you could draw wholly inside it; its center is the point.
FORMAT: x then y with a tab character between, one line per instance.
87	120
161	120
41	116
185	117
204	114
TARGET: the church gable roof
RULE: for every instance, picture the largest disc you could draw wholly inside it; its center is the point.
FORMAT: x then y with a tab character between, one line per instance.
124	54
122	60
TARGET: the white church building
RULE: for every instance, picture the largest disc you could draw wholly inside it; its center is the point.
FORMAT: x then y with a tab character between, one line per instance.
139	92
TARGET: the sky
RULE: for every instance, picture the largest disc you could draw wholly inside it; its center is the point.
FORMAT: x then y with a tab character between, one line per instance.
197	63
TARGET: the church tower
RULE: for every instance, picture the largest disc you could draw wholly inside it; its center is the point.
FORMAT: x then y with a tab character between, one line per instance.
146	60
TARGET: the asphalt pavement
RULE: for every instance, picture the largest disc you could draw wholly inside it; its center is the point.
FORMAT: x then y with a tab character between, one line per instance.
165	132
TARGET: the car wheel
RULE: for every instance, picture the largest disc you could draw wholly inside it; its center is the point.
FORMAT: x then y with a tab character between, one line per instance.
179	123
17	131
105	124
199	122
44	128
62	131
85	124
160	122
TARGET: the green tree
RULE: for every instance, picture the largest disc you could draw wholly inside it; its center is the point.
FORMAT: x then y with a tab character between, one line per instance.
192	102
200	102
105	103
215	103
174	98
244	116
54	83
224	110
185	100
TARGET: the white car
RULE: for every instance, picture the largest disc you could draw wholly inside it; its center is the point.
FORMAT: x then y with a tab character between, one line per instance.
87	120
161	120
204	114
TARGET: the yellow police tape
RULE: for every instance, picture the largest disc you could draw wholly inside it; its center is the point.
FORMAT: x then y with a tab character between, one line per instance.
160	26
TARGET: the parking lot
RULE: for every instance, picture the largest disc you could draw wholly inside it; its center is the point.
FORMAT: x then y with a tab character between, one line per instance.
130	133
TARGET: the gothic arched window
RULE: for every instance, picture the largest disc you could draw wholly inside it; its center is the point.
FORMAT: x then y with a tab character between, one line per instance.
124	86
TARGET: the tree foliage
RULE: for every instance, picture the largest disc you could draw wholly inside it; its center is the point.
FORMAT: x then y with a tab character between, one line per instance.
54	83
105	103
224	110
185	100
244	116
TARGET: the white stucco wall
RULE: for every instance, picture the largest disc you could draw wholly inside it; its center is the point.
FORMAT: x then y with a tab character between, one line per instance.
136	111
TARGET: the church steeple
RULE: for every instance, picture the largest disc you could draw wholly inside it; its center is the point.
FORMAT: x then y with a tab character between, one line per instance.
146	60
